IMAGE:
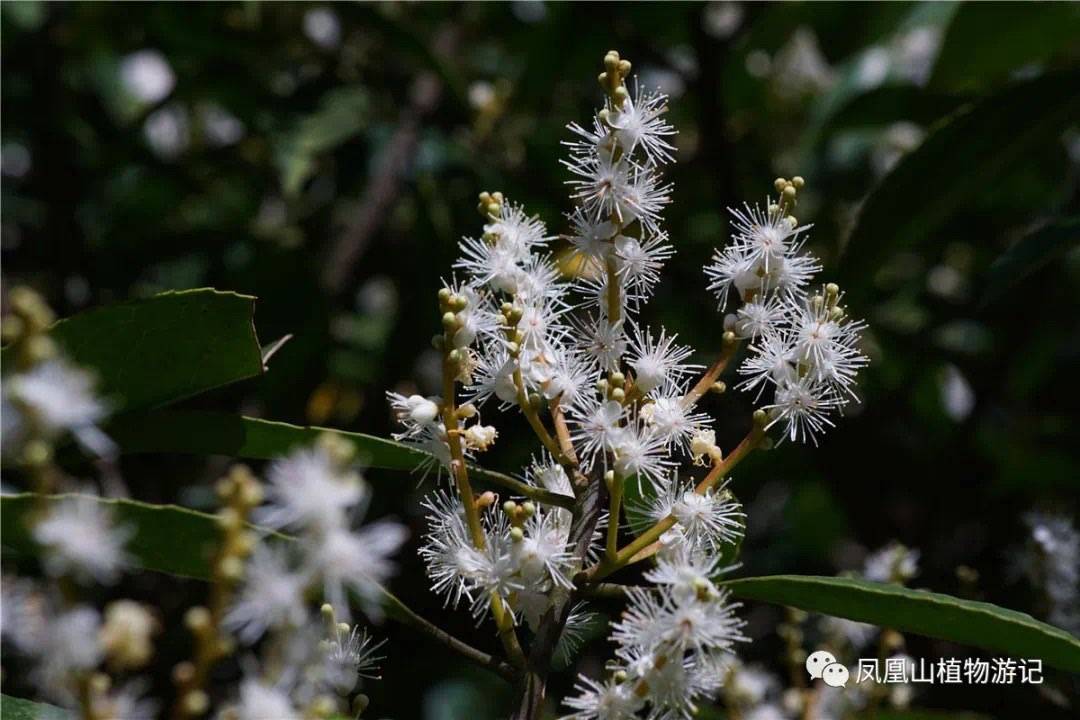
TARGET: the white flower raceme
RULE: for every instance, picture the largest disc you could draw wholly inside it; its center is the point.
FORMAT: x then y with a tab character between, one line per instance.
82	540
609	397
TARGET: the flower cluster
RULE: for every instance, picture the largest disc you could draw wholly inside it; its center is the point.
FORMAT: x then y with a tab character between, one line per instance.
804	347
315	495
615	402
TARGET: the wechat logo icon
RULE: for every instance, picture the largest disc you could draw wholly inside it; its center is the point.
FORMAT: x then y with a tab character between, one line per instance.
822	664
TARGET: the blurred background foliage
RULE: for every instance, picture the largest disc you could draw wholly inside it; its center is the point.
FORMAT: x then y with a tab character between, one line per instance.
326	158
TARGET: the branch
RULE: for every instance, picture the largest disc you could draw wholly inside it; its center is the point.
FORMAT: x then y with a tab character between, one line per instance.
405	615
728	346
503	619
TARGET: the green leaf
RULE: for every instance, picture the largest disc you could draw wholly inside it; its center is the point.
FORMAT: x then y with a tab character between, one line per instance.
209	433
1028	255
925	714
958	160
164	348
13	708
341	115
967	622
1020	34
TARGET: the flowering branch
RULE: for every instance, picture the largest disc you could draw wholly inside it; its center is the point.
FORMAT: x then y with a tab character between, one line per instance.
504	621
623	404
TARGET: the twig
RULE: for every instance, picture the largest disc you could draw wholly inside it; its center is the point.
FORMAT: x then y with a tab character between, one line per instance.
729	345
503	619
637	550
405	615
382	193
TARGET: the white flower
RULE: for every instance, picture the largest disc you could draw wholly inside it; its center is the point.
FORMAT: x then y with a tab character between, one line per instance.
272	595
68	647
307	489
127	702
803	405
658	363
126	635
640	452
640	123
639	262
610	700
22	613
597	427
456	567
673	420
80	539
358	561
893	563
604	343
60	397
480	437
349	656
542	554
414	412
1053	564
825	341
259	701
711	519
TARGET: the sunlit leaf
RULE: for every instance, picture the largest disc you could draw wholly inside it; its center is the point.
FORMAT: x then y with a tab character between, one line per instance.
967	622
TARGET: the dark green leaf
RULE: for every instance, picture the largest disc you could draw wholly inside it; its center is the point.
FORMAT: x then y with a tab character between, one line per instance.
164	348
1019	34
924	714
13	708
956	162
967	622
209	433
342	113
1028	255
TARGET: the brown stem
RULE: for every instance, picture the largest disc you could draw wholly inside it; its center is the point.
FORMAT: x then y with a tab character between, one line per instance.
534	686
503	619
729	345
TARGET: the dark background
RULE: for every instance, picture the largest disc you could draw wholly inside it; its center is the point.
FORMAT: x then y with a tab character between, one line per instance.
326	158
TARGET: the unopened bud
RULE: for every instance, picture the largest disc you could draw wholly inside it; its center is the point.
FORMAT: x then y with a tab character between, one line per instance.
196	703
183	672
197	619
528	509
